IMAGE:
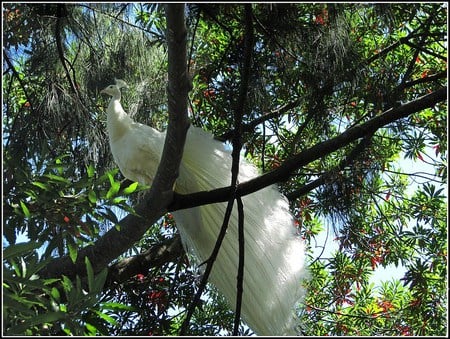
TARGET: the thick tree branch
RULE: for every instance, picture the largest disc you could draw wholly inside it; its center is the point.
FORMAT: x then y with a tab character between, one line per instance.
168	250
283	172
428	78
132	227
237	146
426	51
327	176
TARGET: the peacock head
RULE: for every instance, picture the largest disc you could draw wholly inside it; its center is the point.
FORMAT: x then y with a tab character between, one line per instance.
112	90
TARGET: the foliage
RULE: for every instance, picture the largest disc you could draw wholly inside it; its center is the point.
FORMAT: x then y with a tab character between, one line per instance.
317	69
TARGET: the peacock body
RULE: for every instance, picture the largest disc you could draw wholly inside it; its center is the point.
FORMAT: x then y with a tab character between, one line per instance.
274	255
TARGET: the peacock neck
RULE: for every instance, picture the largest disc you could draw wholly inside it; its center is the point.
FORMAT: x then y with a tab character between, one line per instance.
117	120
115	107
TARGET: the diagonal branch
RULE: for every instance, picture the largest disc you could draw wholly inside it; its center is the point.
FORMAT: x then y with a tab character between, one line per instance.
426	51
325	177
132	227
428	78
166	251
401	41
283	172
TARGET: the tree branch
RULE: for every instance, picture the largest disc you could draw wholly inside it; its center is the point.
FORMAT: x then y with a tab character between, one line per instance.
428	78
283	172
403	40
23	86
237	146
168	250
325	177
240	273
153	206
426	51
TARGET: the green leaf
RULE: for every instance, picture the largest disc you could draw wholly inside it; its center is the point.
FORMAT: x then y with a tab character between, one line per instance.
90	171
16	303
67	284
24	267
100	279
57	178
130	189
116	306
115	187
16	250
41	185
55	294
25	209
51	281
106	317
118	200
90	274
92	330
110	175
73	251
92	196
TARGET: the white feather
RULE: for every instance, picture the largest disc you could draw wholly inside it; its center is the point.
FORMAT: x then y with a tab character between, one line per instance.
274	255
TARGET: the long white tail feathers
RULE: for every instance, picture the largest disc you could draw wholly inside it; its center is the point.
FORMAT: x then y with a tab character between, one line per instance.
274	254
